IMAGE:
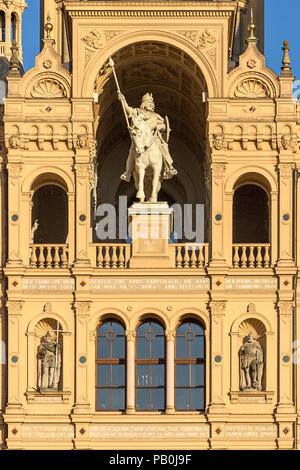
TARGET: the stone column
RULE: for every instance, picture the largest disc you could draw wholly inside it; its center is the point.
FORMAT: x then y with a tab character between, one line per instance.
217	398
234	352
130	371
170	372
83	361
14	356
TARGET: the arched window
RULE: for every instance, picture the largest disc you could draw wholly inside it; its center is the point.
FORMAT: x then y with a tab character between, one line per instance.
150	366
13	27
110	366
190	367
250	215
50	211
2	25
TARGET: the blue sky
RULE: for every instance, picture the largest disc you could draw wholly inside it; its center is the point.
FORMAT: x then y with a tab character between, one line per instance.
282	21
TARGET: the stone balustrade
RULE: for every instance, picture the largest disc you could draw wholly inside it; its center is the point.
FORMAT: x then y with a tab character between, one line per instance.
112	255
251	255
189	256
48	256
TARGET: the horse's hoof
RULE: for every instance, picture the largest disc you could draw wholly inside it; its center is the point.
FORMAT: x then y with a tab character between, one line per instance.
153	199
140	195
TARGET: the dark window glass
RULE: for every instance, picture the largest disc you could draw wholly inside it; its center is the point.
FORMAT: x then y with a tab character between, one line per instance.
110	366
150	366
190	367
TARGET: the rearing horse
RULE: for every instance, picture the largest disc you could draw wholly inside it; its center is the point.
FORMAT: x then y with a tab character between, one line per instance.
147	156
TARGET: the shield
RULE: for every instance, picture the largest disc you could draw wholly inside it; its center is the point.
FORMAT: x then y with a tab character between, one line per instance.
168	129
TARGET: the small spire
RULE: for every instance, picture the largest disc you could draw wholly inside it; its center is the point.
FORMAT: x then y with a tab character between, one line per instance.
48	27
286	68
252	28
14	63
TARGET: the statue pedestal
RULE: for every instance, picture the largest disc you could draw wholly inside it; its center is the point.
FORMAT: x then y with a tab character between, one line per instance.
150	226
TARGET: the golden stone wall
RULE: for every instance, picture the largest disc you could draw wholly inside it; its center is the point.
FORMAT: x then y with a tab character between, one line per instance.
231	289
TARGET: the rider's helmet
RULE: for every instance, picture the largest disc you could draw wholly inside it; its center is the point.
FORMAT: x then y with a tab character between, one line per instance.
147	98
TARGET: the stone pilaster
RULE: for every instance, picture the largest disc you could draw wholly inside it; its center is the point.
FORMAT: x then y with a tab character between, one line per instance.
82	360
14	356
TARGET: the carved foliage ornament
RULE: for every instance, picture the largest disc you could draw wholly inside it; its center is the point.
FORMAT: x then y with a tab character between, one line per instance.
218	141
97	39
200	39
48	88
252	88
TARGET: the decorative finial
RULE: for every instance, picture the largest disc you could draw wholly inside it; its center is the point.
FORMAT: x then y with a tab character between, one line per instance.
252	26
14	63
48	27
286	68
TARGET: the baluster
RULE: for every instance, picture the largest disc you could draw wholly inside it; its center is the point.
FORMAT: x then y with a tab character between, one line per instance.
106	257
121	257
259	257
99	257
267	257
40	256
56	257
33	258
64	257
201	259
251	257
193	258
178	257
236	257
48	257
186	257
114	257
244	257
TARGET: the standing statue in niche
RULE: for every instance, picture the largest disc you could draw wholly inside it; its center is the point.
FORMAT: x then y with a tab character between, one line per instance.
251	364
149	154
49	363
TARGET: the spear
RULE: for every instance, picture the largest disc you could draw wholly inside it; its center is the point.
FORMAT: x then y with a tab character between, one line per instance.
112	64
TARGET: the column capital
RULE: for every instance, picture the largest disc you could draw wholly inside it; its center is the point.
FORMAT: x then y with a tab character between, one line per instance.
217	308
130	335
14	307
82	308
170	335
286	307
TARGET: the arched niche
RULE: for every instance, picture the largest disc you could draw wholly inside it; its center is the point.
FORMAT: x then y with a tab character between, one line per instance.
49	215
177	84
